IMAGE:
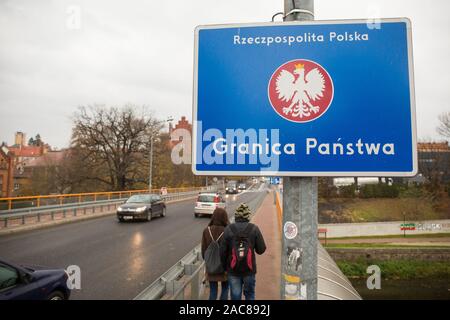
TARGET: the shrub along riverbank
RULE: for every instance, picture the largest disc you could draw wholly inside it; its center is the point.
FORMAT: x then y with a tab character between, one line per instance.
401	279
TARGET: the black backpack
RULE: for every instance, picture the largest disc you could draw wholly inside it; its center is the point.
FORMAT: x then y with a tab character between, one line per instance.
213	261
241	251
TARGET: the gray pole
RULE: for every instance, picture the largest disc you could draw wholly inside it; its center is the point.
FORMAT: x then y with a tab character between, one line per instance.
152	133
299	211
151	165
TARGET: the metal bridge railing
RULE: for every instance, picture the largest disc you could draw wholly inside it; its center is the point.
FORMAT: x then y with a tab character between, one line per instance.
60	199
172	285
38	214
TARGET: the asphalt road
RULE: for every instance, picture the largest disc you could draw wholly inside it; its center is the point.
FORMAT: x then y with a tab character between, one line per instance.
117	260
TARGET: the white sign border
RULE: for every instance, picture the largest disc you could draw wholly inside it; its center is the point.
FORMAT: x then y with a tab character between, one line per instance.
308	173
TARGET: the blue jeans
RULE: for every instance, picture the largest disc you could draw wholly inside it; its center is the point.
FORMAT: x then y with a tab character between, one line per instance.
245	284
213	289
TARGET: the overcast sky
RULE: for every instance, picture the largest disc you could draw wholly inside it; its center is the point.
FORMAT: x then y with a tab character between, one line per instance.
141	52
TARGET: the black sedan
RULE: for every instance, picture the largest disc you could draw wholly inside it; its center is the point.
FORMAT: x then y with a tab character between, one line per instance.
32	283
142	207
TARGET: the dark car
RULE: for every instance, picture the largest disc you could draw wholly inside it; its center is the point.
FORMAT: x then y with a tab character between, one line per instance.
231	187
32	283
143	207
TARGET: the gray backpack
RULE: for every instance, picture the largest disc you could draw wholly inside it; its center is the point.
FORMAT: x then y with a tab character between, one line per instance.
213	261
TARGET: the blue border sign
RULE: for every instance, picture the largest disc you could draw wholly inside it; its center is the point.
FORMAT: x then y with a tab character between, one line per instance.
317	98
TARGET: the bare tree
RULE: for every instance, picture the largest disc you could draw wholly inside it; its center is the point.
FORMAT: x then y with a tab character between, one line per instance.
434	160
444	126
113	143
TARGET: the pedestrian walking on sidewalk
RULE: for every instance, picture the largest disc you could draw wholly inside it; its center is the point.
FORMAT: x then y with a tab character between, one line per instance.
242	240
212	243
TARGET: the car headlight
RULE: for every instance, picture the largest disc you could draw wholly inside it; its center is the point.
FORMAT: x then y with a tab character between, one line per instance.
141	209
119	209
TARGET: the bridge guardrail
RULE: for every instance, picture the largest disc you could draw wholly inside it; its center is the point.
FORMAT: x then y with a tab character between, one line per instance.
11	203
173	283
74	209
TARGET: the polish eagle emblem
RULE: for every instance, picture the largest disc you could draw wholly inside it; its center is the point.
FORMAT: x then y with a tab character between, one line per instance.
300	90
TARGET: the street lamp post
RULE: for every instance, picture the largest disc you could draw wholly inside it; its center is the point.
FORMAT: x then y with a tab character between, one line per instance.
151	153
151	164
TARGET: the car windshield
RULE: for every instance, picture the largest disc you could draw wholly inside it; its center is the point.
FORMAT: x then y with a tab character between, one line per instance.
205	198
140	198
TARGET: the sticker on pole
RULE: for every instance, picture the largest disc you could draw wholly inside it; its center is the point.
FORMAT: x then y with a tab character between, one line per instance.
290	230
300	90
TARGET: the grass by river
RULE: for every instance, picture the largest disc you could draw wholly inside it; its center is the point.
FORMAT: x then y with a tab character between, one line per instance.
401	279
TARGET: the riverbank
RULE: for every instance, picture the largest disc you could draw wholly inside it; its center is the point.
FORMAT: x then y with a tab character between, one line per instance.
406	272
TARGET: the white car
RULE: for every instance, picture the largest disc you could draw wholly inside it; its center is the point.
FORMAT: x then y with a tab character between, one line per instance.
207	203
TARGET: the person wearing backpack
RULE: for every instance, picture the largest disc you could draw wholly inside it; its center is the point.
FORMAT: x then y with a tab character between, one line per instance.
242	240
212	241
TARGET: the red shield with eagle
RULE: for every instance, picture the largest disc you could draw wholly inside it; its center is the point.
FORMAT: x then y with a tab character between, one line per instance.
300	90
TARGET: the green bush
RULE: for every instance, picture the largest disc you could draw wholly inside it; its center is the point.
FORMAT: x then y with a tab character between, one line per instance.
413	192
347	191
379	191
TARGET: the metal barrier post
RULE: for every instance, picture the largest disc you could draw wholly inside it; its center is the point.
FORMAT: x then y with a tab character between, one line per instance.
195	286
173	286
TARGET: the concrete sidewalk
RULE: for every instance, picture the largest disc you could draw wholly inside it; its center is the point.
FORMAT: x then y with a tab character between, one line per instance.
268	264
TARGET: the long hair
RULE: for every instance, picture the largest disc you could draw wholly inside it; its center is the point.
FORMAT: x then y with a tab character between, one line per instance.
219	218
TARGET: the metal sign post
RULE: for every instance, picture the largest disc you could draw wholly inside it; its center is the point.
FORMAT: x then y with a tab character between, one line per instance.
299	238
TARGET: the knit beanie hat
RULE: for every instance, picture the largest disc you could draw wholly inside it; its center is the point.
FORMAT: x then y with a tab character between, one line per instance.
242	212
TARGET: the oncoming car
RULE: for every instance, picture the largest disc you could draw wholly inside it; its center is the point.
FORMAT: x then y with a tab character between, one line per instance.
207	203
32	283
231	187
143	207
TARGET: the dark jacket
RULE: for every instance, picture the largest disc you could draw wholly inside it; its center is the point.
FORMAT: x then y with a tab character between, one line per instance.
206	240
256	241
